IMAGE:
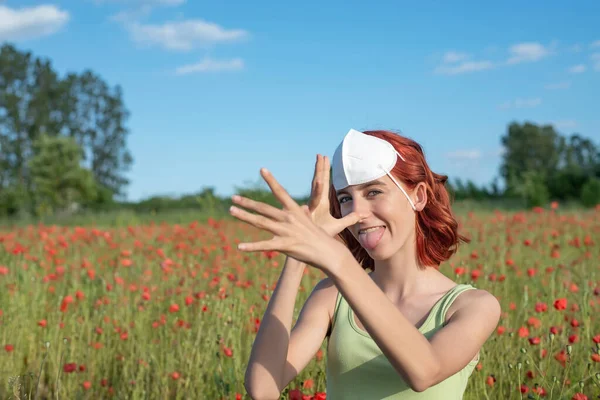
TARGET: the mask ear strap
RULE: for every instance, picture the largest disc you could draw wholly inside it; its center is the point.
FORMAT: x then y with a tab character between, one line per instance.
399	186
399	155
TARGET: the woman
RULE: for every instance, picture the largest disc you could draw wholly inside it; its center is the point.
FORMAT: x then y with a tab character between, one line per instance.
397	327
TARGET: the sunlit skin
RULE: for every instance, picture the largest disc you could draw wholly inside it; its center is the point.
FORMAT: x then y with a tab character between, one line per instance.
421	363
381	202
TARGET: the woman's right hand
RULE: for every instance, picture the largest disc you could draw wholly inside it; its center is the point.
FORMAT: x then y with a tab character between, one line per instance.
318	205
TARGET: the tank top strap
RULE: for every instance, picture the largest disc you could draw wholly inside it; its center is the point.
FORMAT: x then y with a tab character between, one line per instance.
338	300
442	306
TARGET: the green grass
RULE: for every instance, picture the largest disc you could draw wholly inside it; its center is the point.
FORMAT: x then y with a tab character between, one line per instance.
181	254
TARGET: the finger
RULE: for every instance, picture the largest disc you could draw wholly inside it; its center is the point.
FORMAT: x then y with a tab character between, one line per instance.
326	172
256	220
323	190
280	193
312	203
315	198
316	171
348	220
323	166
265	245
262	208
306	210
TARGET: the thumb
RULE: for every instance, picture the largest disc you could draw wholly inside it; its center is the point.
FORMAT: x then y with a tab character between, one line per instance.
349	220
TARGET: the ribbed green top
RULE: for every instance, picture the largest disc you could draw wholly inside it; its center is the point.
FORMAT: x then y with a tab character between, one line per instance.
357	369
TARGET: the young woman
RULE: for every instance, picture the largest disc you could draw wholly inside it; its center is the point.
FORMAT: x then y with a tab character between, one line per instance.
397	327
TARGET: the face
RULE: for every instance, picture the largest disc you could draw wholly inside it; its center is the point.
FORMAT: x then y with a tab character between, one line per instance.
388	212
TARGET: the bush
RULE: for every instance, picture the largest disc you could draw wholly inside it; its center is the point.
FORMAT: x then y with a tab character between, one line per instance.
533	190
590	192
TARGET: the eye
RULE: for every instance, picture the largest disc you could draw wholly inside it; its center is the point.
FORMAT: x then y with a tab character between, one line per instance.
343	199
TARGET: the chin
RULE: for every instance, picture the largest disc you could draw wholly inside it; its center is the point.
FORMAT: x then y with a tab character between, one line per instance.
385	250
380	253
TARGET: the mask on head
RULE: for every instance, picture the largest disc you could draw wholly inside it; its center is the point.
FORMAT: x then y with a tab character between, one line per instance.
362	158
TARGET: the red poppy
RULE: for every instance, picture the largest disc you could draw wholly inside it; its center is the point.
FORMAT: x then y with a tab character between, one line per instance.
560	304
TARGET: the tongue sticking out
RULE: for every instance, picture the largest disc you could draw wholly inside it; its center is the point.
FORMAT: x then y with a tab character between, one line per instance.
370	239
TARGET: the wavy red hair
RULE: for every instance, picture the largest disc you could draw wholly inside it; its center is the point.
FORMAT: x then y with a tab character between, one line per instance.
437	236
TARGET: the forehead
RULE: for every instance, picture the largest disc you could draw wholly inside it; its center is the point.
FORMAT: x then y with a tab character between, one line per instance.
382	181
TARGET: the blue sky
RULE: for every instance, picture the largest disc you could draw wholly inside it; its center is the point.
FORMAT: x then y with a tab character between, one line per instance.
217	90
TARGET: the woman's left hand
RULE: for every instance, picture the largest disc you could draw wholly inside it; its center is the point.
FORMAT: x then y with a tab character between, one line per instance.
295	234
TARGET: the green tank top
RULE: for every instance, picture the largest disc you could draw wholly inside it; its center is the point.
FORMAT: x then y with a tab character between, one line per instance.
357	368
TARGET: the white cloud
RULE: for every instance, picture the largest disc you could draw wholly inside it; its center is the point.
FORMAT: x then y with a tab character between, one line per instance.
183	35
595	44
210	65
462	155
453	56
144	2
30	22
454	62
558	85
464	67
138	8
128	16
596	61
527	52
577	69
521	103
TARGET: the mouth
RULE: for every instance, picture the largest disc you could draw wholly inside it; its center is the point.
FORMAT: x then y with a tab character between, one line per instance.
370	229
370	237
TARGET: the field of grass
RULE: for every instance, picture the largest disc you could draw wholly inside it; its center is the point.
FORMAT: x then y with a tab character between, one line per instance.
136	309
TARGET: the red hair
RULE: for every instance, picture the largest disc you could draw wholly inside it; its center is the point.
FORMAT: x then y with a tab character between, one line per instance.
436	227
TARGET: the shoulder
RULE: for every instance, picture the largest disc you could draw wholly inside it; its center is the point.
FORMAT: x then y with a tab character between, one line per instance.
325	283
325	293
476	302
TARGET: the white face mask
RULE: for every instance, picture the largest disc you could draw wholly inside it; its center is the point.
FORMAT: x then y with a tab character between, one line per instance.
362	158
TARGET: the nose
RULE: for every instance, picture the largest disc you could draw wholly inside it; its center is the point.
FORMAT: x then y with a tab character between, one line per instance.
361	206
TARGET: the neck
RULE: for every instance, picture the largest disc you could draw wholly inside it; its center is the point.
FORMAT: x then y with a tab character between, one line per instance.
400	277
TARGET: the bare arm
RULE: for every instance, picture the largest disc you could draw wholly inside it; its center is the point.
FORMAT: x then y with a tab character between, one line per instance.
279	355
418	361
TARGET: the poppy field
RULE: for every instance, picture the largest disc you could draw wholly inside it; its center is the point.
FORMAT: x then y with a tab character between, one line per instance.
170	310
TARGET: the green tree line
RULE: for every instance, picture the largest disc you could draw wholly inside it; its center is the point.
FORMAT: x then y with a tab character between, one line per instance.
63	148
62	139
540	165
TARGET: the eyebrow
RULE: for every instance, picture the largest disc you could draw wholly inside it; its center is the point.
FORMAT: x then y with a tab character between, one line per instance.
361	187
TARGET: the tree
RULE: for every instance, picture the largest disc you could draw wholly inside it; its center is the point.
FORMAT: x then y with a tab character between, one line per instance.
529	148
495	189
96	121
58	179
208	200
543	157
28	89
35	101
590	192
532	189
